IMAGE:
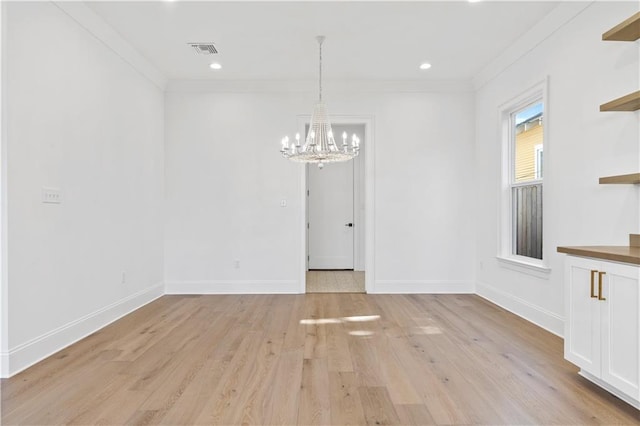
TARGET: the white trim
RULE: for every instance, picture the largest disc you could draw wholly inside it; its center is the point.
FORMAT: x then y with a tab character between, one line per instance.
359	187
526	183
423	287
41	347
310	86
4	275
370	206
525	265
606	386
359	217
232	287
303	120
369	184
545	28
94	24
541	317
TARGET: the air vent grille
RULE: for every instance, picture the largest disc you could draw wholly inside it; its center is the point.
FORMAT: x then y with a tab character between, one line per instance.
204	48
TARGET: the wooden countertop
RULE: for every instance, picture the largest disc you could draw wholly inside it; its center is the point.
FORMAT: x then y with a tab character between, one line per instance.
626	254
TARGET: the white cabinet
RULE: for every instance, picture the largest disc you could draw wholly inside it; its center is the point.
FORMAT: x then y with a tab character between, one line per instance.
602	324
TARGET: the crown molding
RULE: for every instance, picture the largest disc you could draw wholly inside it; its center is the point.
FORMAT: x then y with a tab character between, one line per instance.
102	31
308	86
556	19
94	24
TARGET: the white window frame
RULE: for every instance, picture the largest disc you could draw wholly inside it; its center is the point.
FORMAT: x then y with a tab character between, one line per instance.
536	93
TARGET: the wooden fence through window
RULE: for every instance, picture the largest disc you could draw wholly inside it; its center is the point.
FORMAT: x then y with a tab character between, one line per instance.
528	220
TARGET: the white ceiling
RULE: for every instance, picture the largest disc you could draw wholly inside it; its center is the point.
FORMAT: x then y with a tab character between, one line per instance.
365	40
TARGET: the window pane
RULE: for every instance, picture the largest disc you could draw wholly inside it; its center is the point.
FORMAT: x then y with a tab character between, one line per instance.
527	211
528	143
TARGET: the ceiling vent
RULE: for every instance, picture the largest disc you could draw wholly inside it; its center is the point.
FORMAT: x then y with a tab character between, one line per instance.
204	48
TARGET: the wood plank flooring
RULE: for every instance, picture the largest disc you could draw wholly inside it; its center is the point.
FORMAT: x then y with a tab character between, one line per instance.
312	359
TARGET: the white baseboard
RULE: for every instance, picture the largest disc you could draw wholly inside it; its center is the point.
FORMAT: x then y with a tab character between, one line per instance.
550	321
35	350
422	287
233	287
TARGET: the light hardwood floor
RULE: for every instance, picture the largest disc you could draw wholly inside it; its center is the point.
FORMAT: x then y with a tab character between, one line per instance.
335	282
312	359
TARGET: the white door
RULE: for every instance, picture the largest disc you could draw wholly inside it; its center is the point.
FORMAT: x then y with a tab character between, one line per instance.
330	216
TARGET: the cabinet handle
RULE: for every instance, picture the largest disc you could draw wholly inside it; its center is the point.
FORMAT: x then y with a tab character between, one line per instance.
600	274
593	278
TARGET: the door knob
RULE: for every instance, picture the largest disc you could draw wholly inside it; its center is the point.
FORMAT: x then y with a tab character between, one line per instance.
350	225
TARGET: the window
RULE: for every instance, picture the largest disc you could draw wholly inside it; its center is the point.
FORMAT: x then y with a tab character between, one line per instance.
523	172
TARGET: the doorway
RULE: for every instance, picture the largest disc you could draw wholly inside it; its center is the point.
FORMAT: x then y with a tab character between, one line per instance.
335	222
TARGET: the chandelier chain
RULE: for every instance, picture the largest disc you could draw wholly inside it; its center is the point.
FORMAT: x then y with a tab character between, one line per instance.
320	73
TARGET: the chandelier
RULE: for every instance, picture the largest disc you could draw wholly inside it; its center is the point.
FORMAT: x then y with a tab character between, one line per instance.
319	145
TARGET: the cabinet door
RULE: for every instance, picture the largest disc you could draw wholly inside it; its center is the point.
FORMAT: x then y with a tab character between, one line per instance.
620	327
582	321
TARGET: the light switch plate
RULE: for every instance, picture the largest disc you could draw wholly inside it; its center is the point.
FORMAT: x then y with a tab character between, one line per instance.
51	195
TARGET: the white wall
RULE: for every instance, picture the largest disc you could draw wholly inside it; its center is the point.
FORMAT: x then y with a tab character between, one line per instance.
583	144
225	179
81	119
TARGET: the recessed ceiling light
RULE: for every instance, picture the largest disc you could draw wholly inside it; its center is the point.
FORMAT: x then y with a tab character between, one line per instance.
474	1
215	66
425	66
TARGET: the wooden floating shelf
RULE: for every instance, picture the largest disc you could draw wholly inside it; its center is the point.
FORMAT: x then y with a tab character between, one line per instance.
628	30
631	102
633	178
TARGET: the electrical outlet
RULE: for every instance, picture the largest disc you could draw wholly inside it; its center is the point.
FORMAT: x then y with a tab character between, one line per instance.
123	280
51	195
283	203
236	264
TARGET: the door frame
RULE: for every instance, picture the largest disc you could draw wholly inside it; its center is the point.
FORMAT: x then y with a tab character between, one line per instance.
369	165
4	282
357	215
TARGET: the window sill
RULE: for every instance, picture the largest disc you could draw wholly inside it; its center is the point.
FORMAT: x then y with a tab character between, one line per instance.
526	267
